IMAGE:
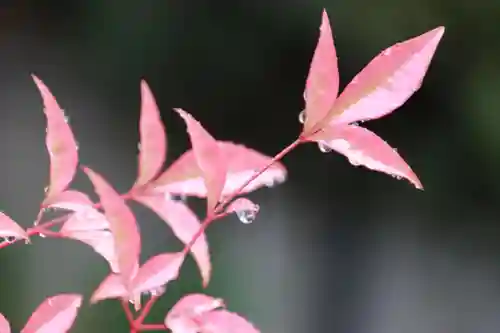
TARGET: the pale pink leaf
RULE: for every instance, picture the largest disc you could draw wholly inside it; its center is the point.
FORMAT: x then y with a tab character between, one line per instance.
85	220
222	321
70	200
111	287
157	272
153	142
184	176
55	315
60	142
122	223
362	147
4	324
322	84
388	80
9	228
209	157
184	315
102	241
185	224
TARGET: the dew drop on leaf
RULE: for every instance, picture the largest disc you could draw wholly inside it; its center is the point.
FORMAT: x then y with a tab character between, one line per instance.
248	216
302	116
9	239
323	147
156	292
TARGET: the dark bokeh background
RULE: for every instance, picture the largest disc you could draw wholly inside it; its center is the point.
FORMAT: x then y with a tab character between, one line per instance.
335	248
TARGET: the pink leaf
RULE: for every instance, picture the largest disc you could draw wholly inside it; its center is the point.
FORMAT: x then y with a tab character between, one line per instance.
363	147
122	223
185	225
388	80
322	84
55	315
9	228
157	272
60	143
70	200
111	287
184	176
244	208
85	220
153	143
184	315
4	324
101	241
222	321
211	161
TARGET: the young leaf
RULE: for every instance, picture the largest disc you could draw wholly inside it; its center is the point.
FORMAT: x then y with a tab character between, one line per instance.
9	228
157	272
102	241
184	176
70	200
4	324
153	142
363	147
55	315
122	223
111	287
222	321
184	315
60	143
322	84
184	224
387	81
209	158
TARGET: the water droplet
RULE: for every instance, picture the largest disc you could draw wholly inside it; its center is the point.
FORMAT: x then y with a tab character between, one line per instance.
387	52
46	189
9	239
247	216
354	162
139	146
302	116
158	291
323	147
66	119
42	235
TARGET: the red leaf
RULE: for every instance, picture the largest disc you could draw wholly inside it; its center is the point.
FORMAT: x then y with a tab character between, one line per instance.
388	80
4	324
363	147
184	176
184	315
9	228
60	143
222	321
70	200
122	223
111	287
101	241
211	161
157	272
322	84
55	315
85	220
184	224
153	143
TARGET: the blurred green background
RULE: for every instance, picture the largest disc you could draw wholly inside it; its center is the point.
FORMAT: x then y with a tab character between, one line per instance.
335	248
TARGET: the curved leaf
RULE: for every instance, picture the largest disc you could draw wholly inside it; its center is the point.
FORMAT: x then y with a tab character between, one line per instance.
55	315
387	81
9	228
222	321
185	224
158	271
85	220
363	147
4	324
123	225
70	200
182	318
153	142
322	84
60	143
184	176
211	161
111	287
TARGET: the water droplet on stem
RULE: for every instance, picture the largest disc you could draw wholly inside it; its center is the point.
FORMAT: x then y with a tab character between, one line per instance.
323	147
